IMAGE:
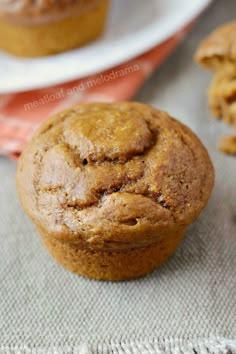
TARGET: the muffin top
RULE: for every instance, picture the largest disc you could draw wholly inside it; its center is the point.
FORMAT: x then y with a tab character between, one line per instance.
30	12
112	175
219	48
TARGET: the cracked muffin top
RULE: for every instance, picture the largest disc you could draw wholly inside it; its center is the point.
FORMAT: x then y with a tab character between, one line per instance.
219	48
112	175
40	11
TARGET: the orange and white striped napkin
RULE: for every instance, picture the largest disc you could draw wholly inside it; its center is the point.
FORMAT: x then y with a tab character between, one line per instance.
21	113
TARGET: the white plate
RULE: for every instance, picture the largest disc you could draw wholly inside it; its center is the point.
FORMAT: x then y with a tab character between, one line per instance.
134	26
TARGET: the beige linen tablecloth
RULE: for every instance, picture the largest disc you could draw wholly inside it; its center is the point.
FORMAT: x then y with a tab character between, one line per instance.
187	306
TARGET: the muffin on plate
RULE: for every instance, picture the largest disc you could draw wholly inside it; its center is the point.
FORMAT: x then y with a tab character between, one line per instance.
112	188
218	53
33	28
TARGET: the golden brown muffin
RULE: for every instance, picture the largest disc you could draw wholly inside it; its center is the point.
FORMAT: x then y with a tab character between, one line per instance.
218	53
112	188
218	50
30	28
222	96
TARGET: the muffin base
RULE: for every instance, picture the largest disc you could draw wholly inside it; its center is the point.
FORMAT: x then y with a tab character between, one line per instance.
55	37
112	264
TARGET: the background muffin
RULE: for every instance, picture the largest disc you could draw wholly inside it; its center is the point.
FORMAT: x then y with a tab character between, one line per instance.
218	53
36	28
112	188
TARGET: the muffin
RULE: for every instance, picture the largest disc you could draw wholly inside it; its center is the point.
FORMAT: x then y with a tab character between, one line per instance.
218	53
112	188
33	28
